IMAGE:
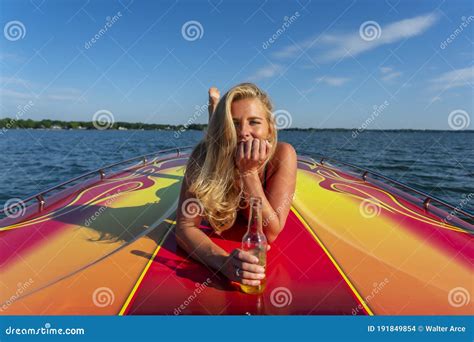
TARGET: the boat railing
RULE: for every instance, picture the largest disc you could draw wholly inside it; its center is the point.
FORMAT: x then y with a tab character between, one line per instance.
426	199
40	198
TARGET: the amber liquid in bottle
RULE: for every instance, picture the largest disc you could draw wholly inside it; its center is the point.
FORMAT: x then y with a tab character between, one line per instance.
255	242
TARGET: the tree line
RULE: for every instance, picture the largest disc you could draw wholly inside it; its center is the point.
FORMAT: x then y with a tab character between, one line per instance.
11	123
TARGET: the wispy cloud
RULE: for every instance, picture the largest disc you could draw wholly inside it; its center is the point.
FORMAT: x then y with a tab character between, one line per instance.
333	81
453	79
18	88
389	74
14	80
7	57
344	45
10	93
267	71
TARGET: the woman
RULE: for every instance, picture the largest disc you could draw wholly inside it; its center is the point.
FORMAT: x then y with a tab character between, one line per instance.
238	158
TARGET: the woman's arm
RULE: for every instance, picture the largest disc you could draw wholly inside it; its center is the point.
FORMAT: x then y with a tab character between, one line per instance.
194	241
277	201
200	247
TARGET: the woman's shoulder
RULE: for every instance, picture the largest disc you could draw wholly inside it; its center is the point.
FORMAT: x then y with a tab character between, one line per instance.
284	153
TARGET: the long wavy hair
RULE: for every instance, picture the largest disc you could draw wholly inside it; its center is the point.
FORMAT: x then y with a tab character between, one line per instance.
212	174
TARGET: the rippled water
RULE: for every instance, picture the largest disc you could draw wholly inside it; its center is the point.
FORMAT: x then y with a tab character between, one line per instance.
439	163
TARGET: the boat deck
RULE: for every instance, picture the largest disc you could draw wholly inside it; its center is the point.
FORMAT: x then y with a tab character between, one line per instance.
349	247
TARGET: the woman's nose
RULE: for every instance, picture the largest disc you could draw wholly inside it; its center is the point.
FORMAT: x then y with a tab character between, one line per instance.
244	131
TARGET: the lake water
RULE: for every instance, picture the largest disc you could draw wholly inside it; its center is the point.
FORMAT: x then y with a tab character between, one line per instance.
439	163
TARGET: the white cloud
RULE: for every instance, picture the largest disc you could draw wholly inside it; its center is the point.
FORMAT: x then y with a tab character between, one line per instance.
341	45
455	78
385	70
4	92
4	81
18	88
5	57
266	72
333	81
63	97
391	76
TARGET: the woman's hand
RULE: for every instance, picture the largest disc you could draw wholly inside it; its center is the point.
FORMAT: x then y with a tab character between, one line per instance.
243	267
250	155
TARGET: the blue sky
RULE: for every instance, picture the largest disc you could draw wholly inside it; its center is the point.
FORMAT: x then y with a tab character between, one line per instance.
322	68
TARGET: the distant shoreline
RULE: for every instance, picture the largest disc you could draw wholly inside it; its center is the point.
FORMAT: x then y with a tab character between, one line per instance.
57	125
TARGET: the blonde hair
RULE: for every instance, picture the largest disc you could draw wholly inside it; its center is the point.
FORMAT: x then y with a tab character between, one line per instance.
212	175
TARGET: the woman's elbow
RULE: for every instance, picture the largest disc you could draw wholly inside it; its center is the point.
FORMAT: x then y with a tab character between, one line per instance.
180	236
272	234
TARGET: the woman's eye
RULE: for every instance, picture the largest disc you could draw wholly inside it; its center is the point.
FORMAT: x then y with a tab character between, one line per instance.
254	122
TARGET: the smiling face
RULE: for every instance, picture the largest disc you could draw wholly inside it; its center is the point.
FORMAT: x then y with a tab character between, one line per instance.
249	119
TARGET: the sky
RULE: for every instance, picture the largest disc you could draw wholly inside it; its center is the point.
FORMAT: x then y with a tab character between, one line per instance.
325	64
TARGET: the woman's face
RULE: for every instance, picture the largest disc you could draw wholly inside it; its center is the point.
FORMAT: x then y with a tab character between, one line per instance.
250	120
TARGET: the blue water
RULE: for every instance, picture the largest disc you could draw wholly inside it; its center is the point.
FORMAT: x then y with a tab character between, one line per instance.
439	163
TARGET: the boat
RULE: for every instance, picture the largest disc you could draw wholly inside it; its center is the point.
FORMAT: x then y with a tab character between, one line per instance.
355	243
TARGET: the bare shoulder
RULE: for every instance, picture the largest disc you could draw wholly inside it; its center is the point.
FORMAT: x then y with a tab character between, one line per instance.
284	154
